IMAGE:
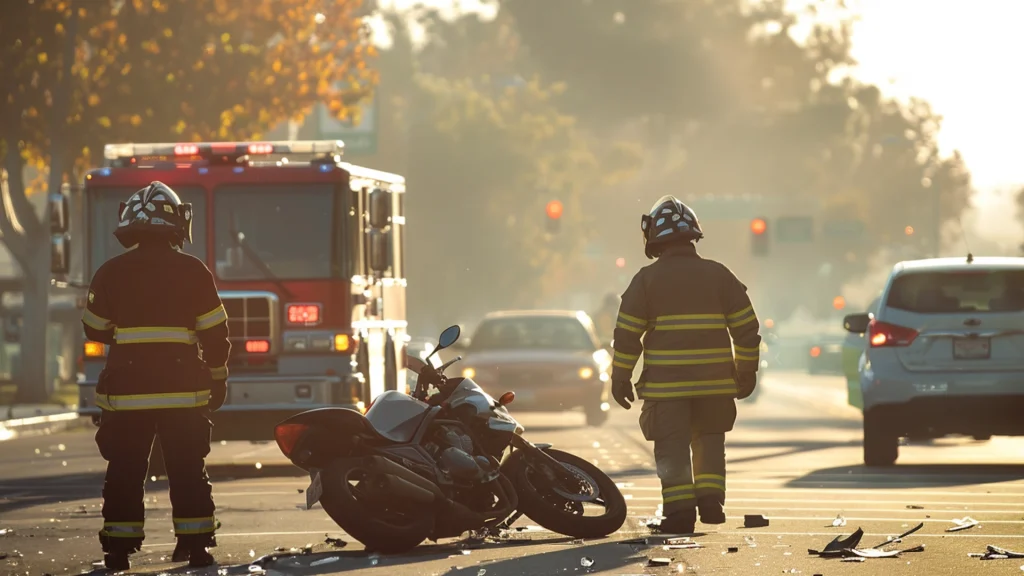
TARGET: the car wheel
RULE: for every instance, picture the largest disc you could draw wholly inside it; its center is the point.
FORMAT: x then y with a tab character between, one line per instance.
881	445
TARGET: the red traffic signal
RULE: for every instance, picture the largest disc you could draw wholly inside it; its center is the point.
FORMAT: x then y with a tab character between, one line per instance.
554	209
758	226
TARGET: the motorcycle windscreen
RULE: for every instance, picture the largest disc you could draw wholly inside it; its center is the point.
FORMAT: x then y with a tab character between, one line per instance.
498	418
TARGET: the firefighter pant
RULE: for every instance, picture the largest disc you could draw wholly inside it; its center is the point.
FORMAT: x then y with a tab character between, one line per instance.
125	440
676	427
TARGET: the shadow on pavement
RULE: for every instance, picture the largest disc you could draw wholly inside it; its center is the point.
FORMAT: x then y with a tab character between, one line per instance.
603	557
788	448
798	423
914	475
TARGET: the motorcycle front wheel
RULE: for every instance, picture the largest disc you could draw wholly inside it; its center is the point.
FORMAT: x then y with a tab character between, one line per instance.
379	530
564	509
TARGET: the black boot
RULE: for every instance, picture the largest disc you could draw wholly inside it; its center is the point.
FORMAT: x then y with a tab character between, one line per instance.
117	560
682	522
192	552
711	511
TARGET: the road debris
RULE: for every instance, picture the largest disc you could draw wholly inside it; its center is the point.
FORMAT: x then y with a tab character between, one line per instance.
750	541
755	521
329	560
875	553
898	539
732	549
854	559
997	553
586	562
847	548
659	562
336	542
685	546
839	544
839	522
962	524
914	507
6	531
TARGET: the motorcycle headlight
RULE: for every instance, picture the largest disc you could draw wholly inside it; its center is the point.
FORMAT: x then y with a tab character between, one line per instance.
468	373
586	372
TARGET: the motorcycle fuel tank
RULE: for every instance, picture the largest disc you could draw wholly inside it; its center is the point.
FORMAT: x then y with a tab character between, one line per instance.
396	416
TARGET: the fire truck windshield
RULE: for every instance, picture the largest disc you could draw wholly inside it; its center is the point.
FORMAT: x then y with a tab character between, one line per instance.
103	219
281	232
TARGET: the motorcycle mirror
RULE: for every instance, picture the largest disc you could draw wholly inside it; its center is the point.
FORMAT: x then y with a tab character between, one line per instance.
448	337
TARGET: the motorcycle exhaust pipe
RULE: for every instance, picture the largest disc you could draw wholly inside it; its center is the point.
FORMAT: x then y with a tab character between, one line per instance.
384	467
388	489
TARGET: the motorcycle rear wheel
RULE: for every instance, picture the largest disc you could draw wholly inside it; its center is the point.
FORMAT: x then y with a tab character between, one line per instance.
539	502
378	530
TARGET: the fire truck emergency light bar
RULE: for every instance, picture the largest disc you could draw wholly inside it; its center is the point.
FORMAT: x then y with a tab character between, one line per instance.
211	150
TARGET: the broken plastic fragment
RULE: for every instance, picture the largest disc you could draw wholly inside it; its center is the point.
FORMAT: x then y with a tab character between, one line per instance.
252	553
962	524
481	572
659	561
586	562
330	560
754	521
853	559
336	542
876	553
732	549
750	541
895	539
257	570
914	507
1008	553
839	521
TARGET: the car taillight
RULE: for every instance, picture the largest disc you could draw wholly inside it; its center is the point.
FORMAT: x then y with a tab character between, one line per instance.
307	314
883	334
815	351
288	435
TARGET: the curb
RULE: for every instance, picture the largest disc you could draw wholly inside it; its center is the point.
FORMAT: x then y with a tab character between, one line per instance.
48	424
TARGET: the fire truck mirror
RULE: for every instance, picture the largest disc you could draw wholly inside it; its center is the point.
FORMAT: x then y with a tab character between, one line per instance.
380	208
380	257
60	254
58	207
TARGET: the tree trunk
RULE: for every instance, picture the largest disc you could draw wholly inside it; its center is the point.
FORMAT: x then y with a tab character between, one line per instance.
32	381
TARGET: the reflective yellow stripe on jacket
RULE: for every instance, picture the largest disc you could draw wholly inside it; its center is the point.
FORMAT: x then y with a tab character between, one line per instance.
687	357
118	402
631	323
745	316
94	321
154	334
690	322
686	389
212	318
623	360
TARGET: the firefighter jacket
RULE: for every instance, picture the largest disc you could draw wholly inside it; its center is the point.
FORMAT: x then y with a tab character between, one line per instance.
154	306
685	308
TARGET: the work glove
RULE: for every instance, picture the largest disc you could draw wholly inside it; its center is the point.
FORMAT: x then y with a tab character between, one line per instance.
745	383
218	394
622	391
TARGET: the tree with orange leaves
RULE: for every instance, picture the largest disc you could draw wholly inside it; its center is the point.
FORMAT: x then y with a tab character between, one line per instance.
75	75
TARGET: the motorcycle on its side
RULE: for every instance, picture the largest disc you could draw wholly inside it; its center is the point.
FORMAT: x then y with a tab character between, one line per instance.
445	460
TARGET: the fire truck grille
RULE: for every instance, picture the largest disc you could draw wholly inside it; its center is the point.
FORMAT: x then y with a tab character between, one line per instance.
249	318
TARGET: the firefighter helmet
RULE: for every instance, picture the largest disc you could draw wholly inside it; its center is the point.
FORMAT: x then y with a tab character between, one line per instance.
669	222
156	210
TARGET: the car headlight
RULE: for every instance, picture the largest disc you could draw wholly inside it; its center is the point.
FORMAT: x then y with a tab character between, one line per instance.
468	373
586	372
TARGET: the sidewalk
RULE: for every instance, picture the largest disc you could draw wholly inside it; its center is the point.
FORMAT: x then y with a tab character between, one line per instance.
32	419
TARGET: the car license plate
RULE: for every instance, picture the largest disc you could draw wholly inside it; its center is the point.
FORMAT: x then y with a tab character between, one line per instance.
972	348
315	490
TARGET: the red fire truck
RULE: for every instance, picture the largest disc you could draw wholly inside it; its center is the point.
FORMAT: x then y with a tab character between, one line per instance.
308	255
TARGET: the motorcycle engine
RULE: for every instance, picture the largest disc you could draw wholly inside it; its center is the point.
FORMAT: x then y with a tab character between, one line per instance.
454	452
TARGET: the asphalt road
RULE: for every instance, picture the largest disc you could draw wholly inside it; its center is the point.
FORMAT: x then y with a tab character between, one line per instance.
795	457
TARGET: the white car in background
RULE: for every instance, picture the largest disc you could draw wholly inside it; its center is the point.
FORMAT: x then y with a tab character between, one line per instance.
944	355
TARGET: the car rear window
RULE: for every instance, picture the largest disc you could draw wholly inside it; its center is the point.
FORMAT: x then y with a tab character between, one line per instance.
952	292
551	333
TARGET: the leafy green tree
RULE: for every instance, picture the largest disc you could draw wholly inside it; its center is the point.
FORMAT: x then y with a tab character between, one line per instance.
77	74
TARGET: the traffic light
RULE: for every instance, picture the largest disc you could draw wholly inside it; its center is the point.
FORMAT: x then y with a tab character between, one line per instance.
759	237
554	214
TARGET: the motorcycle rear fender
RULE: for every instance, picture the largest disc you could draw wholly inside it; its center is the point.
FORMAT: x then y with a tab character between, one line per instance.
332	434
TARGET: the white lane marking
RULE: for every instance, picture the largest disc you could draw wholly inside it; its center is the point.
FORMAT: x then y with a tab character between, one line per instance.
960	511
859	501
862	519
908	495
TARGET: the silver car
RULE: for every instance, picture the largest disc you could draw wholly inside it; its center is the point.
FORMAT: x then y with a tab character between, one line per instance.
944	354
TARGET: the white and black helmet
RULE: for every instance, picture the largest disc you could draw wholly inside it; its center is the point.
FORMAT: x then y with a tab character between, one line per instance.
156	210
669	221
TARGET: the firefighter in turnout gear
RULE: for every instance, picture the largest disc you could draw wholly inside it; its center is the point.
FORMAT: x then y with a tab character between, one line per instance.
152	305
693	323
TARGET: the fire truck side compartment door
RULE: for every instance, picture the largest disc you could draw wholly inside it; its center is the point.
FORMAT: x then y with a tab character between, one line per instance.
380	208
